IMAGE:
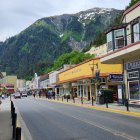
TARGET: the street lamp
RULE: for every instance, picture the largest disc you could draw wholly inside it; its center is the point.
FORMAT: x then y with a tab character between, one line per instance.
97	75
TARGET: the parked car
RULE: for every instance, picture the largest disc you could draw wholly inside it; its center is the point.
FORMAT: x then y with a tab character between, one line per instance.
24	94
17	95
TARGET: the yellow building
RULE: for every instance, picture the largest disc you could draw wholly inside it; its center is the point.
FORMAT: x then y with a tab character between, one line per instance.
81	80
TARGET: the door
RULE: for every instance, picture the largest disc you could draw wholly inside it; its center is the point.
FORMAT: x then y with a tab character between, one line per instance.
88	92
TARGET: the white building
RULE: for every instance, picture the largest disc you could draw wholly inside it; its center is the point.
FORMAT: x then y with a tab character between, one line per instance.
123	46
98	51
53	77
21	84
35	81
44	81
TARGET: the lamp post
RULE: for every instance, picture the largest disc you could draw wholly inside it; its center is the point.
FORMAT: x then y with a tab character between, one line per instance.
97	75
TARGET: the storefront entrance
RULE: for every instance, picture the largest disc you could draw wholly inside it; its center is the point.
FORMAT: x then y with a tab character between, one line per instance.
115	92
133	79
134	92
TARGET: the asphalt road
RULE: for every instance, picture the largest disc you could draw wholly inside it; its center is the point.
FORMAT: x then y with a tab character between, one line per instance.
54	121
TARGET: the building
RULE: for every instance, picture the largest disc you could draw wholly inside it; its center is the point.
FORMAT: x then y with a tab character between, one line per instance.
21	85
35	82
9	80
28	85
123	46
53	78
44	81
98	51
81	80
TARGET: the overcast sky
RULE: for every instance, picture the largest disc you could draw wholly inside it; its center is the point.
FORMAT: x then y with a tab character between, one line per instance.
16	15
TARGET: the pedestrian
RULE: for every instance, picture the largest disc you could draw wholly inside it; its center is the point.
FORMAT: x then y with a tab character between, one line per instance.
53	94
46	92
3	96
34	94
40	94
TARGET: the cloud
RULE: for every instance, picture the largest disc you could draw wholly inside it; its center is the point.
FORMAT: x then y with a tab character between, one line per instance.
16	15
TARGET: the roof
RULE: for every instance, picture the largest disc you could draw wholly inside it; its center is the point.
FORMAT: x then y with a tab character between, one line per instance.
120	26
123	48
130	9
44	77
7	85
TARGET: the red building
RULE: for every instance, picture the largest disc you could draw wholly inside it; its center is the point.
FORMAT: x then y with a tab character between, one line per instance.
9	87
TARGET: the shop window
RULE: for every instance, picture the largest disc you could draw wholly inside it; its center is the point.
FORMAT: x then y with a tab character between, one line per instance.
136	32
132	75
119	38
103	80
134	90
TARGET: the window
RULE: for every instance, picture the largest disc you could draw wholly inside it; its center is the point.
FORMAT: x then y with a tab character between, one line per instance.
136	32
119	38
103	80
109	42
134	90
134	74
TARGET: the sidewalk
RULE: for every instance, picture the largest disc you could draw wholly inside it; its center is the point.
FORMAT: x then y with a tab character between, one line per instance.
5	120
112	107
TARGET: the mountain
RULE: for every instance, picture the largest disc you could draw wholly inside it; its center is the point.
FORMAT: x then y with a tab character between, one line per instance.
41	43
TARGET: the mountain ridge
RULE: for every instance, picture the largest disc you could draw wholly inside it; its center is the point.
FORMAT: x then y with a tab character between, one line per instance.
49	37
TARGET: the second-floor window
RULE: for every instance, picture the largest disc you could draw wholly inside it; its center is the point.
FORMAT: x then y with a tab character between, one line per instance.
109	42
136	32
119	38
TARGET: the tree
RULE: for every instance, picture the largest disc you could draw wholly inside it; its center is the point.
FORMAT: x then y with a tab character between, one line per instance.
4	89
71	58
132	3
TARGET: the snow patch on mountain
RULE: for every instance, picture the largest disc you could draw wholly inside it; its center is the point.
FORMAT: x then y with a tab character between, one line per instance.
61	35
92	13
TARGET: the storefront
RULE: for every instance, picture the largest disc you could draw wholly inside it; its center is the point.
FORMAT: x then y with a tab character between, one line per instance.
116	84
81	80
123	44
133	79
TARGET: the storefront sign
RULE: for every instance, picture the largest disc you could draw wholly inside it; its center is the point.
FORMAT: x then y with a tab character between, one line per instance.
132	65
116	77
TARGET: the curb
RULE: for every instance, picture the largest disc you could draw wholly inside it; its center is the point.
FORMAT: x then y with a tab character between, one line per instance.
19	125
25	134
128	113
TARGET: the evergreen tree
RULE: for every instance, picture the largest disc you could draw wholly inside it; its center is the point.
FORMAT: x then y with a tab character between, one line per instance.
133	2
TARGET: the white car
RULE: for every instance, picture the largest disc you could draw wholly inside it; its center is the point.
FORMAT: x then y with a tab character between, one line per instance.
24	94
17	95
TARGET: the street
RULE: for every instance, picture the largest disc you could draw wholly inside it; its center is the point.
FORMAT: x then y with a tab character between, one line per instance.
47	120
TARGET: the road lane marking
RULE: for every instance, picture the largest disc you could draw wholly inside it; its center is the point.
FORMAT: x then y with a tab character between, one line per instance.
114	132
